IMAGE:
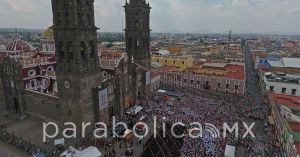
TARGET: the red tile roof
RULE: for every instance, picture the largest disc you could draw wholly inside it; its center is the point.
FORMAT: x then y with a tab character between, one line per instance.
289	101
295	126
297	144
154	74
168	68
108	54
235	72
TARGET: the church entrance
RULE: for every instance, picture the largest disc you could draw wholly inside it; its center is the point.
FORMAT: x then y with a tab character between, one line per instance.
16	105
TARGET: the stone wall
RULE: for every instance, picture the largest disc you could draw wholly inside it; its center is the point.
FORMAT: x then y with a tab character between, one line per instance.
43	106
2	101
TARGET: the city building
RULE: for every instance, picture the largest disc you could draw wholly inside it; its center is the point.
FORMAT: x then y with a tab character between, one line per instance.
182	61
219	77
286	117
114	66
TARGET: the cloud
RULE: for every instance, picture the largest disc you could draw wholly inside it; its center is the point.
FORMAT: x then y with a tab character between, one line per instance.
197	16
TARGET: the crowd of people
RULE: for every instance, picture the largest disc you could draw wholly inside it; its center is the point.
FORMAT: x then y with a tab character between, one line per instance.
216	110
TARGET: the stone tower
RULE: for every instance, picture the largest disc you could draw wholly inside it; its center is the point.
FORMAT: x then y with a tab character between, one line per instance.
78	73
137	34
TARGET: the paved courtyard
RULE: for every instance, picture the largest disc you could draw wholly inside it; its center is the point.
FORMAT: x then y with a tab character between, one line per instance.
8	151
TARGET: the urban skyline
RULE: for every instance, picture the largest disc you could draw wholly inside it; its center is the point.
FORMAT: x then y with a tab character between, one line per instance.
68	90
173	16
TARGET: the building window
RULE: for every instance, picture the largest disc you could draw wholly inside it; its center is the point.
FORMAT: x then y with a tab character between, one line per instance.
104	74
207	83
67	19
272	88
31	73
219	85
198	82
227	86
182	62
80	19
69	50
88	16
83	50
283	90
157	60
61	51
129	44
236	87
227	91
32	84
174	62
192	81
50	69
166	61
185	80
92	50
294	91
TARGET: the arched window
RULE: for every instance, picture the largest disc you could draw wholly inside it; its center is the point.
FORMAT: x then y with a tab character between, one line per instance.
67	19
80	19
69	50
61	51
92	49
83	50
136	44
88	17
129	44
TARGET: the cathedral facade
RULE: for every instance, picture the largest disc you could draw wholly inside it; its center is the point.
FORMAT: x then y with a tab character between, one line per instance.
67	79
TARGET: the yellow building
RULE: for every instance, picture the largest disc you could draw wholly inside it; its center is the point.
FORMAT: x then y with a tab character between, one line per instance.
175	50
181	62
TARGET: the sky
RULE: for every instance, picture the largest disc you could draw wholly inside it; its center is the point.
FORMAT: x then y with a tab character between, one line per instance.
182	16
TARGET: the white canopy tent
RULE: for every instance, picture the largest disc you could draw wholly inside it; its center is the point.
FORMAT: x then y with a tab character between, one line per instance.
162	91
88	152
59	142
229	151
134	110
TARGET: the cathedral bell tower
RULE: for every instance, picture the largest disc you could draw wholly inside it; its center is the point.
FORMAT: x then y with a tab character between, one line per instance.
78	71
137	32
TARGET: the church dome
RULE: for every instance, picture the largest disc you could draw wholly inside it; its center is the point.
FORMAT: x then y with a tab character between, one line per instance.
48	33
19	45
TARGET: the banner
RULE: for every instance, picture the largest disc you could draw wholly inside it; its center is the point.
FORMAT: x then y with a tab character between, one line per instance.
103	99
148	78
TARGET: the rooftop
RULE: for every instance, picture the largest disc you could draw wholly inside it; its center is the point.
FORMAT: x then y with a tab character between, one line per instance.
215	65
283	77
297	144
295	127
286	100
230	71
291	62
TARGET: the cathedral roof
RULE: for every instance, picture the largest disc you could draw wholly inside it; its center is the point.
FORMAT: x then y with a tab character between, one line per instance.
19	45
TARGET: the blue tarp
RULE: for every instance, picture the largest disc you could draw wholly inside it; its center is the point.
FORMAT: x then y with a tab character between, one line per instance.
40	154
